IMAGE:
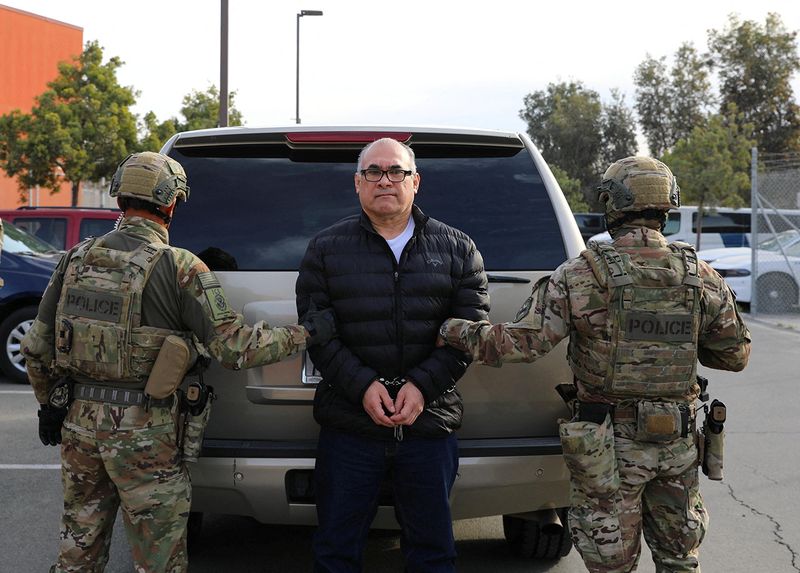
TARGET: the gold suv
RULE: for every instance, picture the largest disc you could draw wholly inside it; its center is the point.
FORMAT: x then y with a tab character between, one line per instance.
258	195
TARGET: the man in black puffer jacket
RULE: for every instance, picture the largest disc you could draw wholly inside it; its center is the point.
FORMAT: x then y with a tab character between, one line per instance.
387	403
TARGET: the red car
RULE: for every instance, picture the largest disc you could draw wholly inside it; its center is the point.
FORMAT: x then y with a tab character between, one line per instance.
62	227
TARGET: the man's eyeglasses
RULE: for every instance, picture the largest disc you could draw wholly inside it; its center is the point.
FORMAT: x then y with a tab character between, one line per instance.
395	175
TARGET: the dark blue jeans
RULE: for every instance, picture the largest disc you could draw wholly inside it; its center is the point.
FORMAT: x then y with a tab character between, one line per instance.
347	480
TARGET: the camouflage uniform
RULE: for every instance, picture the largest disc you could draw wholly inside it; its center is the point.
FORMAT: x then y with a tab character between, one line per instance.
128	455
646	486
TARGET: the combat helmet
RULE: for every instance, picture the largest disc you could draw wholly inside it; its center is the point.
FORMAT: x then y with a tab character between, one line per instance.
151	177
638	188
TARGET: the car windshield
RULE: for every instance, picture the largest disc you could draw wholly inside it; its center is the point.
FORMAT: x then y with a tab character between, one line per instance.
782	239
18	241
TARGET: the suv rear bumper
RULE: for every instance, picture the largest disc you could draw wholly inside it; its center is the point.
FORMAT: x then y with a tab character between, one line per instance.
496	476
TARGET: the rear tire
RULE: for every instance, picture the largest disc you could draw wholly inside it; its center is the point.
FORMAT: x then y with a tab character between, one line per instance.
777	294
527	540
12	329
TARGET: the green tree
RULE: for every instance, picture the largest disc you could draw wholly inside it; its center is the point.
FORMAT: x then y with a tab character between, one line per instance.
712	164
565	123
670	104
571	188
200	110
619	130
691	97
578	133
77	130
755	64
156	133
652	98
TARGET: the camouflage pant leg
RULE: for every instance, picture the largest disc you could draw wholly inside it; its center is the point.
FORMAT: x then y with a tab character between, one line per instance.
143	459
595	515
675	519
90	504
661	498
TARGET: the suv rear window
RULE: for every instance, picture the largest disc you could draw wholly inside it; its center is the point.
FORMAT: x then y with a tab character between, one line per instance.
262	204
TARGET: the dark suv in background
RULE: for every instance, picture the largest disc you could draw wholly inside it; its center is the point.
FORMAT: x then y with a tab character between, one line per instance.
26	266
258	195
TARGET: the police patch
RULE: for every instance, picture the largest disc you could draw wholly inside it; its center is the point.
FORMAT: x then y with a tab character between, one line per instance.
217	303
90	304
525	309
666	327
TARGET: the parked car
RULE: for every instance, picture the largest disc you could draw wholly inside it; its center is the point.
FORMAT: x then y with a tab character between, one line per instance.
26	266
258	196
778	271
62	227
590	224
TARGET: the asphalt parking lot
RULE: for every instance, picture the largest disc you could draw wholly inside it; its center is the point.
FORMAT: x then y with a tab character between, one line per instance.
755	510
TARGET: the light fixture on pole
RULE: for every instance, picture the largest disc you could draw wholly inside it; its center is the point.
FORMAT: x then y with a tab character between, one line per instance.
297	76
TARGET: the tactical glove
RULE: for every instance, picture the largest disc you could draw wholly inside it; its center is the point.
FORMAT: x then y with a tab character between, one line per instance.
320	324
50	421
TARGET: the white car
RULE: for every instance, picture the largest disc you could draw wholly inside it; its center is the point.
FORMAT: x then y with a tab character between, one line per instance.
778	271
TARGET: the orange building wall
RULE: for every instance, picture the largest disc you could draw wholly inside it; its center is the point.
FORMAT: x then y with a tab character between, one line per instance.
30	50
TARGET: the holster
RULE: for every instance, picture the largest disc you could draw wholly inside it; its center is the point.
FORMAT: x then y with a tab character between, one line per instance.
195	413
62	394
713	439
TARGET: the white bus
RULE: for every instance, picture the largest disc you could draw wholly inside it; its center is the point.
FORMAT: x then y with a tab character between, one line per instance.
721	227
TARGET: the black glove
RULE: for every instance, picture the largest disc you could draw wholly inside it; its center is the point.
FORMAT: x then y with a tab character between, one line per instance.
320	324
50	421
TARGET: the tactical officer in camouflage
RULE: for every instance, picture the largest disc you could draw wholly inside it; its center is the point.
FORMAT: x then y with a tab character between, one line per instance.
639	314
113	304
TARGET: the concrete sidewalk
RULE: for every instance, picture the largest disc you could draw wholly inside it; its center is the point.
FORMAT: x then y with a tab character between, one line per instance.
790	322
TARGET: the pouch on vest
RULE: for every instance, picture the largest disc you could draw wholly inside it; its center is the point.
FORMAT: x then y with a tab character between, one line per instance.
170	367
658	422
589	454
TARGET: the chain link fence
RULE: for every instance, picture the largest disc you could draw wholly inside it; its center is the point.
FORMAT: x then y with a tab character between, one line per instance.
774	267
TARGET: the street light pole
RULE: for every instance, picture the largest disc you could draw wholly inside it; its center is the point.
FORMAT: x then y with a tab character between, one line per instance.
297	72
223	65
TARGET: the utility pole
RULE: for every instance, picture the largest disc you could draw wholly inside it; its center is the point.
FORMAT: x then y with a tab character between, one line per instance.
223	65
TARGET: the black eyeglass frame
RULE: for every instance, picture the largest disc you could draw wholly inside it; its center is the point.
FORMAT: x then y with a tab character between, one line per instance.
385	172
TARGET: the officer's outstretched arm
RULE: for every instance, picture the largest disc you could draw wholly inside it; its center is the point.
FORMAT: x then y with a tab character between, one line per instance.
233	343
539	325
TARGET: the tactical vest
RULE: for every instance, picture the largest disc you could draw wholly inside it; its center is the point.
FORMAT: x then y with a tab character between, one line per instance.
654	320
98	318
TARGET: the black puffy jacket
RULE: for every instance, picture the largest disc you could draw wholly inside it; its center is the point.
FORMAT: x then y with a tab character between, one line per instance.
388	316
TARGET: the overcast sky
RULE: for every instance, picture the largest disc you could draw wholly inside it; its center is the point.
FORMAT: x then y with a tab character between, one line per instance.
441	62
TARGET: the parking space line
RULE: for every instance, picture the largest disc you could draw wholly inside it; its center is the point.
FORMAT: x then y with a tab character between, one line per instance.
30	466
16	391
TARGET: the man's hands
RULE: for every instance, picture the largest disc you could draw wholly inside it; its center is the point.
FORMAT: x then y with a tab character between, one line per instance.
403	411
375	400
50	421
408	405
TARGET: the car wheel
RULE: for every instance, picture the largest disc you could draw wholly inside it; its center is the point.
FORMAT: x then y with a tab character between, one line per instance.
12	329
532	540
777	294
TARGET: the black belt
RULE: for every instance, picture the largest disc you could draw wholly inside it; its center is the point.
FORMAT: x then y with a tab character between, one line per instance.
118	396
